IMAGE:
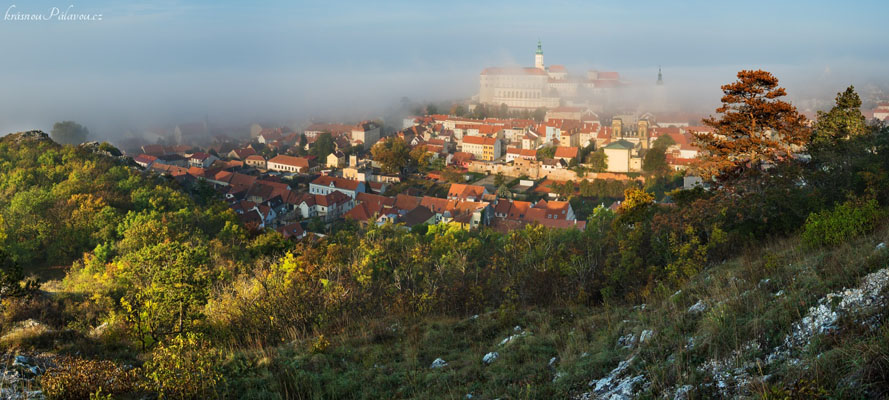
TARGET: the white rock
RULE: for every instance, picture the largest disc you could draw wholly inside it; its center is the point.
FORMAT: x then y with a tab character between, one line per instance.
698	307
512	337
627	341
490	357
618	385
552	361
682	392
881	246
439	363
645	335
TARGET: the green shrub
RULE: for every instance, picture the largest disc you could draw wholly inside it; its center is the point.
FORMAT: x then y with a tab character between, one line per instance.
78	378
850	219
185	368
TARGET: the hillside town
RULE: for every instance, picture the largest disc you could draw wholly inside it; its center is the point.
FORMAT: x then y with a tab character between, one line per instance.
538	162
502	173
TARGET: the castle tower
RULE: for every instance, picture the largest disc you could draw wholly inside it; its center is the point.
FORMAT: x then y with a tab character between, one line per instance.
538	57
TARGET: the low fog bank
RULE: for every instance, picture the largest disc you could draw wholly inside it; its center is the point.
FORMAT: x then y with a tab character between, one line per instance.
119	106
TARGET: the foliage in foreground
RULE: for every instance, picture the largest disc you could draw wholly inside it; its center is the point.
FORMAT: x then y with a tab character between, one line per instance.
170	275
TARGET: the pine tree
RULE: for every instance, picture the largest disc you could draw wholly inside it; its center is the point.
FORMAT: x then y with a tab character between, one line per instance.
755	130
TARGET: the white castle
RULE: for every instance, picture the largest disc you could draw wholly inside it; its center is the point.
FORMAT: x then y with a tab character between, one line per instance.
539	86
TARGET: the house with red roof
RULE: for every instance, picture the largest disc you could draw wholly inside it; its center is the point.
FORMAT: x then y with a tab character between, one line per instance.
325	206
373	208
461	159
463	192
241	154
566	153
285	163
471	214
145	160
256	161
252	212
513	214
418	216
292	231
325	184
201	159
513	153
154	149
482	147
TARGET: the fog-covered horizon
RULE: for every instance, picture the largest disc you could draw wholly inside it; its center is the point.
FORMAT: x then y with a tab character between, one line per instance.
168	62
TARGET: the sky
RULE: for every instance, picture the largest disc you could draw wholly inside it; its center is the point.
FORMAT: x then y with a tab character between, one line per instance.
163	62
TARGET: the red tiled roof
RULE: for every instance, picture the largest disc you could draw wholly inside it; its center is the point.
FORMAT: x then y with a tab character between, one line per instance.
405	202
487	141
299	162
455	207
291	230
463	191
522	152
154	149
376	199
334	197
243	153
197	172
566	152
144	158
200	156
340	183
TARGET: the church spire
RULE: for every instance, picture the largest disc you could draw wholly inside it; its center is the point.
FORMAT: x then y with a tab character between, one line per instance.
539	47
660	76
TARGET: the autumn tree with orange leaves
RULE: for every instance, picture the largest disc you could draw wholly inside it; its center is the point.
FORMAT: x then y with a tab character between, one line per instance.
754	130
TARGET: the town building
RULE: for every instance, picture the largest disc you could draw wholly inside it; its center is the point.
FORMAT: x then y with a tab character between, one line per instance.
256	161
482	148
285	163
201	159
327	206
336	159
365	134
325	184
623	157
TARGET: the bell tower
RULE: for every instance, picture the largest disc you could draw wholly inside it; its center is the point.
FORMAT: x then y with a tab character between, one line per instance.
538	57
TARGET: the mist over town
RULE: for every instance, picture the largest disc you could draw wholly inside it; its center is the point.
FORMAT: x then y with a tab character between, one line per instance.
461	200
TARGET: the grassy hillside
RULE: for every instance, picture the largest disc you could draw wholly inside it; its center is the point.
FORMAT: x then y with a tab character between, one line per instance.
711	338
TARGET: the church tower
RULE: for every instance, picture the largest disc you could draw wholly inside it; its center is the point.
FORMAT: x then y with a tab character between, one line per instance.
617	128
538	57
660	77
